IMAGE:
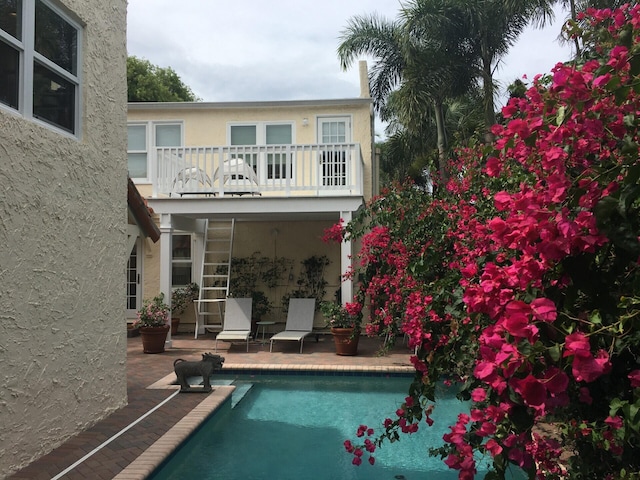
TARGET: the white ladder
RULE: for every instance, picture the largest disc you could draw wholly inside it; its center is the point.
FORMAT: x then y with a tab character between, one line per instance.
215	272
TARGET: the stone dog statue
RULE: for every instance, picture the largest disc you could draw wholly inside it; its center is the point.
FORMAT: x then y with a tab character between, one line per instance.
205	367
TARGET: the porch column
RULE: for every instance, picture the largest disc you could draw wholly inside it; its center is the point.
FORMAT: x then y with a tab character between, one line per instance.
166	230
346	288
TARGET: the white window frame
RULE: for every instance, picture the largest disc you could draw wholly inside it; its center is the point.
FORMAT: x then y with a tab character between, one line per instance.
261	139
29	57
150	142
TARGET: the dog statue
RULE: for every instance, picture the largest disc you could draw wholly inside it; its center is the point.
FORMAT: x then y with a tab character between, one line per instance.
205	367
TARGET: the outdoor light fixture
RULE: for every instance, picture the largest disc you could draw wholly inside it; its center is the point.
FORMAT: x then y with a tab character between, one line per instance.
305	122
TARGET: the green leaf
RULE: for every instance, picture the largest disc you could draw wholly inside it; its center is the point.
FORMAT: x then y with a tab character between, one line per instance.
595	317
555	352
561	113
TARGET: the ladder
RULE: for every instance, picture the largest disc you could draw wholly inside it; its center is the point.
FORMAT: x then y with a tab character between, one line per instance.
215	272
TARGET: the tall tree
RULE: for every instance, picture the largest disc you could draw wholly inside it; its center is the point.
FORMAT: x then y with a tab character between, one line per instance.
421	71
486	28
149	83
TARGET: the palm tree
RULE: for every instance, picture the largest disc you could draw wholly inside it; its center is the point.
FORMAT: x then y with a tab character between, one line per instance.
486	28
421	71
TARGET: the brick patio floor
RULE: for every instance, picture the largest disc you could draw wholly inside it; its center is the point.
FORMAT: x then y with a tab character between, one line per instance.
144	370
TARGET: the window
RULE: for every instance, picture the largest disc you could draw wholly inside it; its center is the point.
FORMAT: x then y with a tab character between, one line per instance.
140	143
37	35
181	261
277	165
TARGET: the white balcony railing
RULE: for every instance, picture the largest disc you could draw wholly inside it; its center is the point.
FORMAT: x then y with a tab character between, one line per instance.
273	170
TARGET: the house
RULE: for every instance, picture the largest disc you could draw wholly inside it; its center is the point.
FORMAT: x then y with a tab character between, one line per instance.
63	230
261	180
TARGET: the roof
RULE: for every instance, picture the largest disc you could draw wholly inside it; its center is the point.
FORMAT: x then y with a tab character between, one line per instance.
141	212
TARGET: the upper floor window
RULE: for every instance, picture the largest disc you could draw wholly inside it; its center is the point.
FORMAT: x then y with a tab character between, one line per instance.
39	62
278	164
143	137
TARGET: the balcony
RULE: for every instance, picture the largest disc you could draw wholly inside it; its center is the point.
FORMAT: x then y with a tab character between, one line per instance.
258	170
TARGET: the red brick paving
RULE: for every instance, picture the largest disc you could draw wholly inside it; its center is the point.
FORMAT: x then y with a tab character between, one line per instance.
144	370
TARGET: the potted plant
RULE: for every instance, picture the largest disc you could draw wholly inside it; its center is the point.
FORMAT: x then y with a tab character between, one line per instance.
152	321
181	298
345	322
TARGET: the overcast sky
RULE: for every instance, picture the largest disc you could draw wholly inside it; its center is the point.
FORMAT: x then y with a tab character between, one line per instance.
245	50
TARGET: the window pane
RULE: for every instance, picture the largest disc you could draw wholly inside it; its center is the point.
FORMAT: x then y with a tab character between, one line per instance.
168	136
54	98
181	247
334	132
278	134
137	137
56	38
11	17
243	135
138	165
180	274
9	71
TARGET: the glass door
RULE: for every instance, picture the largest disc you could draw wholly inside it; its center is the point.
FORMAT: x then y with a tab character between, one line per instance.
335	132
134	292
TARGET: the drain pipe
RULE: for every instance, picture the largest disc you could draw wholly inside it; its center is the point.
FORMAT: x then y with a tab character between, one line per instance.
107	442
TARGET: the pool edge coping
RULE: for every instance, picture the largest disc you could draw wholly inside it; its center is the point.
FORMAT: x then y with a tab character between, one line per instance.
169	381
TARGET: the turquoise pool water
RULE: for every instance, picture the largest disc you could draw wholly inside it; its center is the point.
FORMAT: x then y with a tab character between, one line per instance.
293	427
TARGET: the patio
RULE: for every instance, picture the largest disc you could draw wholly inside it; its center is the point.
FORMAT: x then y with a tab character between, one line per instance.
144	370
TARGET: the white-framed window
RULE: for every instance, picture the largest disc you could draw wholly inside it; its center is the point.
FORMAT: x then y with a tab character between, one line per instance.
145	136
181	259
40	52
275	165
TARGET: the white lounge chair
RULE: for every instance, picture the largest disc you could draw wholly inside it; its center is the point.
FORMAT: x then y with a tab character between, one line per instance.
191	181
237	321
299	321
237	177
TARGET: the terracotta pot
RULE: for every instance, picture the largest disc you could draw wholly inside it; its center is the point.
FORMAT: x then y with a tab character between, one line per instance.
346	343
175	323
153	338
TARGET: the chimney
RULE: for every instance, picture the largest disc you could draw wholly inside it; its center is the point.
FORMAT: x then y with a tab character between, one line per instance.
365	92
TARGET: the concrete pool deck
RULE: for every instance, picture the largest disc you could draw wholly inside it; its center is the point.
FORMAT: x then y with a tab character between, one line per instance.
133	454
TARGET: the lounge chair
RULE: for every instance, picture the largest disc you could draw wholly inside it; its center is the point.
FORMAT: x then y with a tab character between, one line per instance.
299	321
237	321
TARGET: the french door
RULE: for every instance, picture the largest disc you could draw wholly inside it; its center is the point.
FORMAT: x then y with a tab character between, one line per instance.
134	286
335	132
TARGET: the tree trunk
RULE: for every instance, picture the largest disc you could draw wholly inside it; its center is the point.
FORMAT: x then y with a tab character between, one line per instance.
441	142
489	106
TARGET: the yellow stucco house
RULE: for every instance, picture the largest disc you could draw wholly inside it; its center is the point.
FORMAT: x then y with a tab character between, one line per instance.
261	181
63	173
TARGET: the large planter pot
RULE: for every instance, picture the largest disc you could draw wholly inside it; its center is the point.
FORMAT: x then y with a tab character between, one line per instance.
154	338
346	343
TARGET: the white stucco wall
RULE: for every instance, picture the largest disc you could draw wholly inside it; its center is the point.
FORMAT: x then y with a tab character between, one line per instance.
62	255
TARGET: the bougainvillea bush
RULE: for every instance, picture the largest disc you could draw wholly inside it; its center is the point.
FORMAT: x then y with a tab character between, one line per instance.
520	280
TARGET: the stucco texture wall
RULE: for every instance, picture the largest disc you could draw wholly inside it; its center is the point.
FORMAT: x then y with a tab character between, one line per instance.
62	255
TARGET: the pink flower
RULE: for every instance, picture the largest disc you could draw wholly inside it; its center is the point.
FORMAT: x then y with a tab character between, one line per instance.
588	368
478	394
544	310
614	422
634	377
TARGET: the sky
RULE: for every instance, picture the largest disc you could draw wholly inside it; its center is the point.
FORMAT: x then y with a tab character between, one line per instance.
256	50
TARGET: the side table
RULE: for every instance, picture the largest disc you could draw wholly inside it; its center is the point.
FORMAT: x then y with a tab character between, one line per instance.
264	326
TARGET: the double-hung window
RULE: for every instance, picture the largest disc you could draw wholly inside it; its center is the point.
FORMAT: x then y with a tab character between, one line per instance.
181	260
144	137
39	62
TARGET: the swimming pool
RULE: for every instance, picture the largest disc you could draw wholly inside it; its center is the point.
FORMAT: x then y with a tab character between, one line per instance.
293	426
